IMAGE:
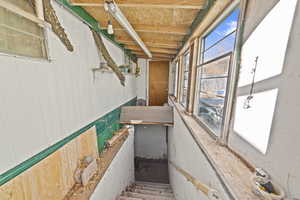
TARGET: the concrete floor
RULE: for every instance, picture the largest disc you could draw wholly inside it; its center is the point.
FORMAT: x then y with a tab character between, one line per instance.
151	170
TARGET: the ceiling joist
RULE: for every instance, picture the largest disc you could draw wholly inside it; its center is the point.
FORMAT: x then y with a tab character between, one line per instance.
167	4
163	29
152	49
155	55
166	44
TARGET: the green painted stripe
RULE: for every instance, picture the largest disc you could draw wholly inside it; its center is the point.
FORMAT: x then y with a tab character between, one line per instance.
93	23
113	116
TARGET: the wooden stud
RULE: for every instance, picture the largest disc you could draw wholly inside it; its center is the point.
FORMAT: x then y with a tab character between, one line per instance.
193	76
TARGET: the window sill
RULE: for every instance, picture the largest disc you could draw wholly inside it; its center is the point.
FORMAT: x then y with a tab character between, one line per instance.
234	172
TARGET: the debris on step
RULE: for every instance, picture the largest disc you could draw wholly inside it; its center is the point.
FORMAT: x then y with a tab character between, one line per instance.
147	191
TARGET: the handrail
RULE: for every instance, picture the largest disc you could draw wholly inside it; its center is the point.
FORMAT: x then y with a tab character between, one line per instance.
209	192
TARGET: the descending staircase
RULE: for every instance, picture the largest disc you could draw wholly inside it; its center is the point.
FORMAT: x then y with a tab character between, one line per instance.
147	191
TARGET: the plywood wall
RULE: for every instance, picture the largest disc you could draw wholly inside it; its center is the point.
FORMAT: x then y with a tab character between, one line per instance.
53	177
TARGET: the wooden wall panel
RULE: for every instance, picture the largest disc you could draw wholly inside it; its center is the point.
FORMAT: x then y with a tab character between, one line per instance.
53	177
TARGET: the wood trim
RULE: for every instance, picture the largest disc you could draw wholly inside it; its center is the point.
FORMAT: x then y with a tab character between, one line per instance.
191	51
21	12
193	76
179	80
205	189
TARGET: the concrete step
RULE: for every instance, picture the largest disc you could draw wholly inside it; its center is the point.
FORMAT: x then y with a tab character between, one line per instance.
147	196
153	188
151	192
128	198
153	185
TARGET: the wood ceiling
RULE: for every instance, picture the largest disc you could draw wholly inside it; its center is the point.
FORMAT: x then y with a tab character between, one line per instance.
161	24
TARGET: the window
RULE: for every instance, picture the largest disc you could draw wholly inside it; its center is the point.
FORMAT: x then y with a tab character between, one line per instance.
213	72
19	35
185	77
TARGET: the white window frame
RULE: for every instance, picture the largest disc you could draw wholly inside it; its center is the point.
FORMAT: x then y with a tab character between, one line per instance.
182	78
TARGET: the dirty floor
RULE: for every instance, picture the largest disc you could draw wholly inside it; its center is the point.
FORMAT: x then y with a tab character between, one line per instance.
151	170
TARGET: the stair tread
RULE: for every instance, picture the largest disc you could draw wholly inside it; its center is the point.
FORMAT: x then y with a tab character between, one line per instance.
153	188
152	183
128	198
147	196
151	192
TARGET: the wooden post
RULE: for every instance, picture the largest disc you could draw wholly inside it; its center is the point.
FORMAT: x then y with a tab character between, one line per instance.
39	9
192	75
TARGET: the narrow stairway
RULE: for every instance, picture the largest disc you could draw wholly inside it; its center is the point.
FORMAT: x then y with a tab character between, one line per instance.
147	191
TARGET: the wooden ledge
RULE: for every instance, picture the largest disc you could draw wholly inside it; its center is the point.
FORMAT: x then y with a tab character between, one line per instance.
233	171
80	192
147	115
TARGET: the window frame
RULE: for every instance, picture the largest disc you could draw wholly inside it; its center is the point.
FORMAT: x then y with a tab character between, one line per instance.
200	63
182	78
38	19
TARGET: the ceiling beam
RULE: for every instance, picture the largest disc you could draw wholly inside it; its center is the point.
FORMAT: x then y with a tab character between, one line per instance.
165	44
163	29
152	49
169	4
155	55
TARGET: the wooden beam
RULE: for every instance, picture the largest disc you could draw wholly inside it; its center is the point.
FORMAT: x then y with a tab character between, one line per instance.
168	4
163	29
152	49
165	44
154	55
149	37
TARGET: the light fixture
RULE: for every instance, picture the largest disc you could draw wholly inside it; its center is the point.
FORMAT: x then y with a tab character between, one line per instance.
110	29
114	10
106	6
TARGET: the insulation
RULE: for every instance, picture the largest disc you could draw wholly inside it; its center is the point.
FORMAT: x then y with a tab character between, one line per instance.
110	62
50	17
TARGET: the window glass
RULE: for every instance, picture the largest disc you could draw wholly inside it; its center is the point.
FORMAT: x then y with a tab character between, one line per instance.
212	93
213	70
185	76
221	39
20	36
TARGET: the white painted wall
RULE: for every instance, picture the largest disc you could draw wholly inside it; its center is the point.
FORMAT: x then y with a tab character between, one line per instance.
43	102
282	159
119	174
150	141
142	80
184	152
